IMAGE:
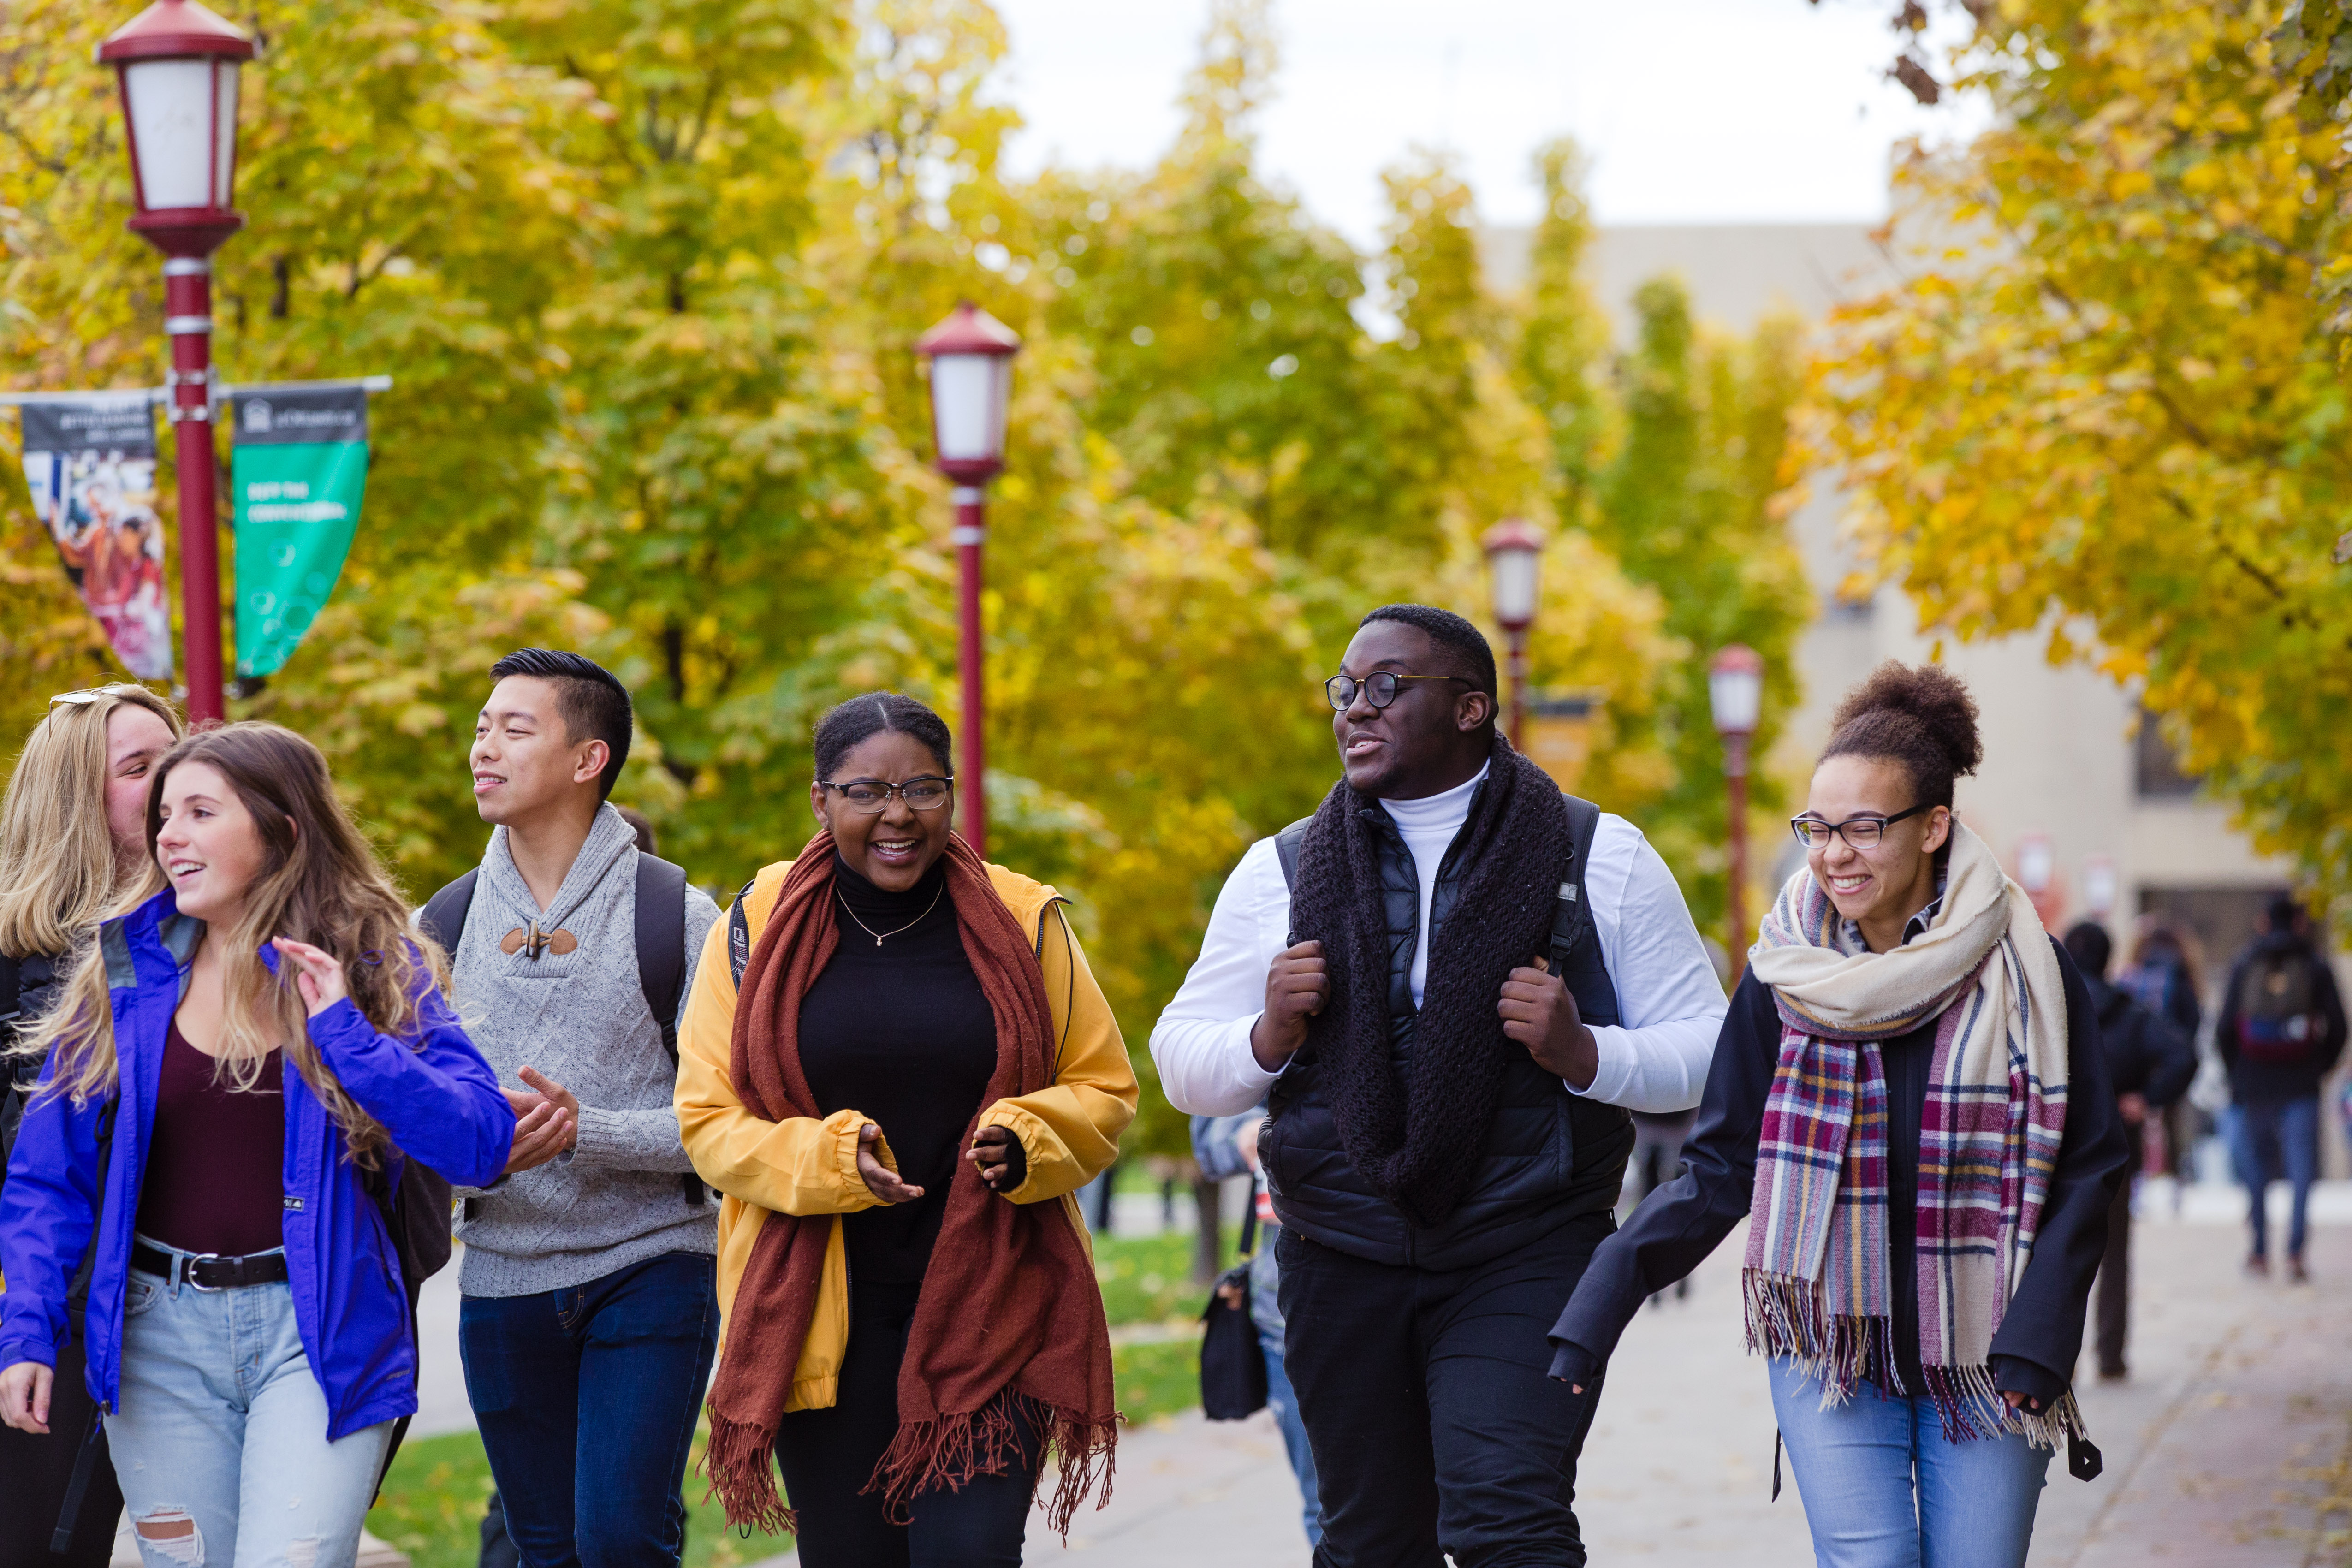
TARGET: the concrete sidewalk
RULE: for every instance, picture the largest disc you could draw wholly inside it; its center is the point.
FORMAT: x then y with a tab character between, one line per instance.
2216	1450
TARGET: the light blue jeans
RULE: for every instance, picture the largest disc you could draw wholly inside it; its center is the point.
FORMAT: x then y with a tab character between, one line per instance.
1883	1488
221	1438
2283	1136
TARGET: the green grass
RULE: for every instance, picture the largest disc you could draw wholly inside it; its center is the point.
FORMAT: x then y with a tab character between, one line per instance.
432	1507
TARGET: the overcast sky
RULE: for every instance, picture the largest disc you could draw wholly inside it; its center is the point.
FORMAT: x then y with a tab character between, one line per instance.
1691	110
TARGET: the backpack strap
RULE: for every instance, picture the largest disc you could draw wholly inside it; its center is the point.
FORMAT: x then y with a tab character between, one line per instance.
1286	849
739	934
442	918
1575	941
661	963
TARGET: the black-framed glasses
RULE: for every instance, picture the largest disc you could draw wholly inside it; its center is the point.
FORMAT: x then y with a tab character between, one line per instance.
1860	831
928	793
1380	688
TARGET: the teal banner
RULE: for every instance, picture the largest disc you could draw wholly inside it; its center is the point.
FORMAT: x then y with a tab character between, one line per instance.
298	470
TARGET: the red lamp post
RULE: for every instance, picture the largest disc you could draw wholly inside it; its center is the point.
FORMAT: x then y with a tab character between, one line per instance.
1735	689
1514	557
177	64
972	390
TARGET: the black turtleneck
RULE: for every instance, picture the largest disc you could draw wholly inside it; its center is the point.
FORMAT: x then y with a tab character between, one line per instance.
901	1032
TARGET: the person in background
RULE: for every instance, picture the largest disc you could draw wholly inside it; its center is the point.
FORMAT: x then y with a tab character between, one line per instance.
899	1071
2164	976
589	1312
223	1118
1917	1269
2280	1034
1450	985
1223	1147
73	844
2149	1064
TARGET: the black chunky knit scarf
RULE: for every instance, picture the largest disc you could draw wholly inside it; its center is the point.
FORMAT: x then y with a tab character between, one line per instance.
1417	1142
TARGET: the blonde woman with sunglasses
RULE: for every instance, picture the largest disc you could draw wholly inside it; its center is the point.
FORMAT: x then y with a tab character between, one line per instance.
72	845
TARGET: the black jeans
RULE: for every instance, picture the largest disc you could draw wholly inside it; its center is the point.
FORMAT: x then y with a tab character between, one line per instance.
34	1471
586	1399
2113	1294
827	1457
1437	1429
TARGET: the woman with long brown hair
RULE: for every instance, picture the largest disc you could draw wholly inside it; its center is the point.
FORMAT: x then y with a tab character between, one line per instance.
73	843
232	1078
897	1070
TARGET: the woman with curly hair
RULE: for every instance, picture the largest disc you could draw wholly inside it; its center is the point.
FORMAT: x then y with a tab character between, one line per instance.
233	1075
1910	1108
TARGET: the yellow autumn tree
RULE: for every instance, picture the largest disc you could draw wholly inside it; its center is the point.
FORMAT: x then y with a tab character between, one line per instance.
2107	403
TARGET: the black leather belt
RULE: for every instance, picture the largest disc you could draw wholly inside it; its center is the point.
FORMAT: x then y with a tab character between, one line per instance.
210	1270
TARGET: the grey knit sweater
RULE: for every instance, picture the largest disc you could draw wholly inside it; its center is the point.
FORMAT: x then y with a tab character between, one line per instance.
580	1018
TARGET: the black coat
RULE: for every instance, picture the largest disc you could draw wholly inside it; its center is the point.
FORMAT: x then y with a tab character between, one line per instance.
1550	1155
2146	1056
1677	1225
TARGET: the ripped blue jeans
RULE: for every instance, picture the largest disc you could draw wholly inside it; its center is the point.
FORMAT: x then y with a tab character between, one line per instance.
220	1440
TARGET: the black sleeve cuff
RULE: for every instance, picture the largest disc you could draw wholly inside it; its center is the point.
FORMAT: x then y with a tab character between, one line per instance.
1572	1363
1016	1165
2014	1375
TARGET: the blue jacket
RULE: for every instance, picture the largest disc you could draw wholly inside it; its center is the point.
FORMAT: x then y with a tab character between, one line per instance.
436	1098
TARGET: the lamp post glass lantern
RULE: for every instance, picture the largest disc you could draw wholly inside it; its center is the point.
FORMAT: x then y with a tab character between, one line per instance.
1735	692
972	395
176	64
1515	592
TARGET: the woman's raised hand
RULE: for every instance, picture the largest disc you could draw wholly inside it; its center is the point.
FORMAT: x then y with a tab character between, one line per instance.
316	974
880	1179
25	1396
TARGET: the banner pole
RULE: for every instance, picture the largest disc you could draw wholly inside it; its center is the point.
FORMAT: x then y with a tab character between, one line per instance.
188	321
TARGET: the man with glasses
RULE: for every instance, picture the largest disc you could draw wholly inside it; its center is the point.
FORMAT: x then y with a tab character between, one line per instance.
589	1312
1449	985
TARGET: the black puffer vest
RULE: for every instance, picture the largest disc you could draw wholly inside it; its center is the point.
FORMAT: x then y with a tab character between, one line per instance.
1551	1156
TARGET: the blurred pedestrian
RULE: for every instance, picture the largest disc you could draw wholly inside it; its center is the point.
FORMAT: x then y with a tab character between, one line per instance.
1223	1147
2165	975
2149	1064
920	1074
73	844
2280	1034
1899	1236
1450	985
281	1046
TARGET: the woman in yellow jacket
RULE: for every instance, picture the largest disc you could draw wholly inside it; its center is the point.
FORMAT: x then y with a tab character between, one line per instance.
897	1069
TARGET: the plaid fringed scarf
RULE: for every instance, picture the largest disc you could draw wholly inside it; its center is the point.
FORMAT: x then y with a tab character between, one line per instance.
1818	1277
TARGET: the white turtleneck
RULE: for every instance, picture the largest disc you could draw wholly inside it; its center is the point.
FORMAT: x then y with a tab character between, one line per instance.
1428	825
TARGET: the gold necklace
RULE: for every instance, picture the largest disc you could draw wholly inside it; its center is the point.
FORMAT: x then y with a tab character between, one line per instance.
879	935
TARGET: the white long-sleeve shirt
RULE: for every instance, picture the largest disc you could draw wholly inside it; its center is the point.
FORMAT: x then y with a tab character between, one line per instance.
1669	1003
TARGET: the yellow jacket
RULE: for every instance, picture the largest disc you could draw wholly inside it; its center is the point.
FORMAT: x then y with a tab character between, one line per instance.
1069	1130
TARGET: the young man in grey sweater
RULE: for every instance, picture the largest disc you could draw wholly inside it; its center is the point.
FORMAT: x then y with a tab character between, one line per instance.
590	1309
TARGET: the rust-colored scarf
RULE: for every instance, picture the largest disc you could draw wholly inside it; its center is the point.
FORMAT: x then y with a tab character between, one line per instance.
1009	1329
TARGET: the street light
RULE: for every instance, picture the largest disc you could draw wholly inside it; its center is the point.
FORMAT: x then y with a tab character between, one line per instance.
971	386
1735	691
177	64
1514	552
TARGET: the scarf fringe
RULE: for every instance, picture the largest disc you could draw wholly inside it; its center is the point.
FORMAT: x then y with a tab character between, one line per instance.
945	1452
1971	1406
1788	1316
740	1468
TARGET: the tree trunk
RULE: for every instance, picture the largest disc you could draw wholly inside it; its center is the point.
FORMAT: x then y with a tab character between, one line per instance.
1209	1241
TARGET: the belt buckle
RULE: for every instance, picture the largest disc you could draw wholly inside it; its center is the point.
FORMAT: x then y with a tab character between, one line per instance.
188	1270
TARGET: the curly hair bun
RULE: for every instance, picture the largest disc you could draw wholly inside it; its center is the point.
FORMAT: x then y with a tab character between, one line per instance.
1919	715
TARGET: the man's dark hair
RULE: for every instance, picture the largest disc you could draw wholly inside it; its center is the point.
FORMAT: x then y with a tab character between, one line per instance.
589	698
2091	948
861	719
2284	913
1450	632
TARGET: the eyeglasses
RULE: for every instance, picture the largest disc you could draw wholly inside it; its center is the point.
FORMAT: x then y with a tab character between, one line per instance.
928	793
96	694
1380	688
1860	831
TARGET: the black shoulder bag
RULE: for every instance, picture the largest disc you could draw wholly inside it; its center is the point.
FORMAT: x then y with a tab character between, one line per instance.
1232	1366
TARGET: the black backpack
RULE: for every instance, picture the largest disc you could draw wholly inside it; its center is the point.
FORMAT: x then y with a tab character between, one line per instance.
2279	1018
661	967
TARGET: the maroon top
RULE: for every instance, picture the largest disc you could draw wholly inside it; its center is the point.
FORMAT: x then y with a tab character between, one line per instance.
213	1179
